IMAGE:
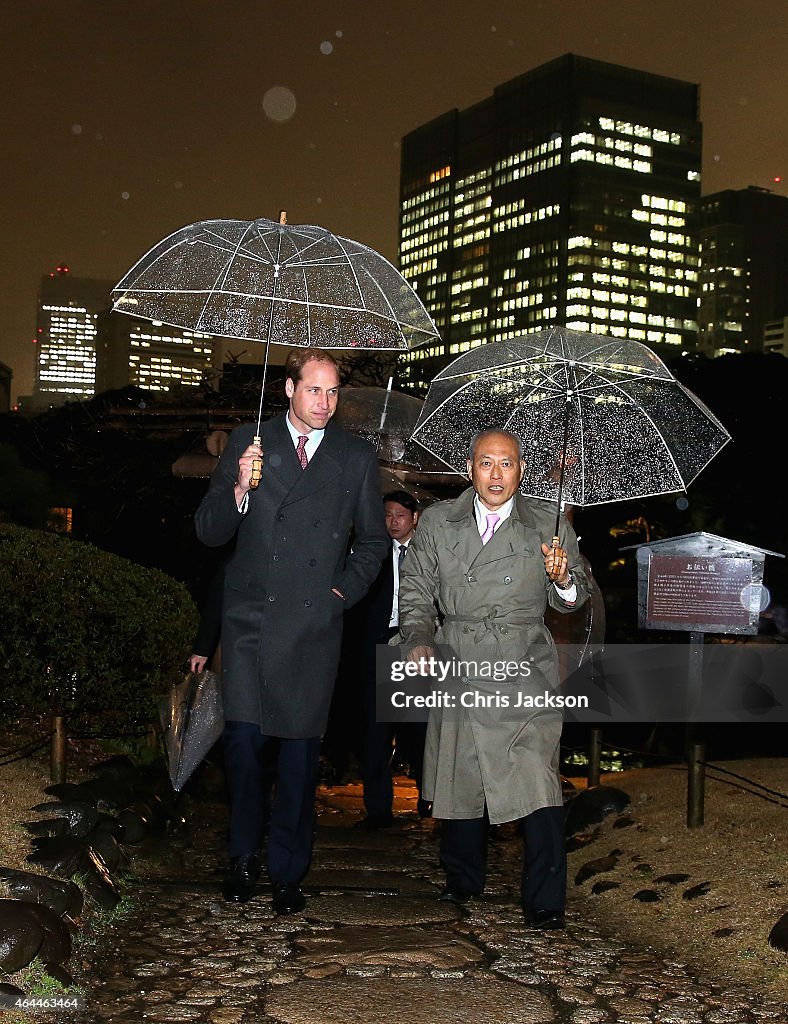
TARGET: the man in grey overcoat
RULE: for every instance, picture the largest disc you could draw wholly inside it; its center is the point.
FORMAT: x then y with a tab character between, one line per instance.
480	572
310	539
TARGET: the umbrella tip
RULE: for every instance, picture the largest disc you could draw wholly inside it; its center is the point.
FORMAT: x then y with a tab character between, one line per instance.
283	216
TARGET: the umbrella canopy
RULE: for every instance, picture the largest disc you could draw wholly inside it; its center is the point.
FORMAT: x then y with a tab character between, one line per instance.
278	283
384	417
600	419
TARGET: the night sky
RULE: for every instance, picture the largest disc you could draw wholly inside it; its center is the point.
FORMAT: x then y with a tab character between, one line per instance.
125	121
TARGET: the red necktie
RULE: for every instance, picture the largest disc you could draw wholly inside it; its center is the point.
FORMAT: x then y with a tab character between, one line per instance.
301	450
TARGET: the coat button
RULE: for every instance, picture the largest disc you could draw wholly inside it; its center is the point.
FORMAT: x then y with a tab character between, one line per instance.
507	579
280	517
307	604
317	523
471	579
313	561
276	558
465	629
504	630
271	598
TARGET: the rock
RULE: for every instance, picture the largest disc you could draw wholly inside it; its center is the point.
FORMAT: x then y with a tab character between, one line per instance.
696	890
778	936
30	930
118	768
647	896
578	841
596	867
10	990
593	805
61	895
604	886
61	855
81	817
133	826
47	827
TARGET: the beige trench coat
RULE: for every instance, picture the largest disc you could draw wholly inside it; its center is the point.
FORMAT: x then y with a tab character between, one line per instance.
490	603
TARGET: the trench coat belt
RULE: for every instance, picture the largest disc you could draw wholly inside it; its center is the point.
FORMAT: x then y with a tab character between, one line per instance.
492	623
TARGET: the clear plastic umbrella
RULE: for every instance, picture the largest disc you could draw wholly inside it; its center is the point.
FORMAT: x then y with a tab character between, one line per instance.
276	283
384	417
192	718
600	419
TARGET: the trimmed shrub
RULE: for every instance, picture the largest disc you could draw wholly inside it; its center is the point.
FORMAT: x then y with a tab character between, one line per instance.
86	633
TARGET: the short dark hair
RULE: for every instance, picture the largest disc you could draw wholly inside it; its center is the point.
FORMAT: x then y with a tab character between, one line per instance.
494	430
299	357
402	498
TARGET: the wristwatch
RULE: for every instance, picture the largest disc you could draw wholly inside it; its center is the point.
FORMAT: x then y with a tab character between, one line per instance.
565	586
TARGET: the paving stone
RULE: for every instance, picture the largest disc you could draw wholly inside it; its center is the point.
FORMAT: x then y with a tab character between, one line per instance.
379	910
371	879
427	1001
388	946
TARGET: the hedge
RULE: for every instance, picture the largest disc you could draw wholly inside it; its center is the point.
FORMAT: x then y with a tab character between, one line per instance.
86	633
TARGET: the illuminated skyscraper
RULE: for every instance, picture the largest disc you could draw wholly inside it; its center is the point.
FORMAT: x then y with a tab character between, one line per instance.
85	348
568	197
744	269
66	329
152	355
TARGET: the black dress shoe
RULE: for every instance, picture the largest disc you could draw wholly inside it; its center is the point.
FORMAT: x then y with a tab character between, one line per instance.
287	898
242	877
545	920
375	821
456	894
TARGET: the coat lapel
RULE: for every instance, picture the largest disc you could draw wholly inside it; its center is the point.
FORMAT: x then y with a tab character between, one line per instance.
280	462
324	467
466	542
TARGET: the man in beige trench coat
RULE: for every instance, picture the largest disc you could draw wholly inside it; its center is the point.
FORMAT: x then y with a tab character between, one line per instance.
485	562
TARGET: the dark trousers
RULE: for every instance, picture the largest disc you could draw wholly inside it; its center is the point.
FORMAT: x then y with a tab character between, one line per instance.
377	756
377	751
292	819
463	856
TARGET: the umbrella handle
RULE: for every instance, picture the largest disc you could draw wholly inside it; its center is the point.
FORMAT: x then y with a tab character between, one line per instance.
257	466
553	574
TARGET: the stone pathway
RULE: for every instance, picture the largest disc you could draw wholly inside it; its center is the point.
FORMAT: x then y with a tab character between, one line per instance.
374	944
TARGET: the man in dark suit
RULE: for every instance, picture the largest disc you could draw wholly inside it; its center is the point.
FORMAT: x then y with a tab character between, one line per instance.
290	577
376	620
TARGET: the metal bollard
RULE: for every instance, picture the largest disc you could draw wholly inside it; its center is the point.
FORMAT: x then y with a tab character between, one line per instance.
696	780
594	756
57	750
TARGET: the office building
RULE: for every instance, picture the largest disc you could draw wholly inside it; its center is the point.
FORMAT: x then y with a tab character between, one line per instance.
775	336
568	197
152	355
6	376
66	329
85	348
743	269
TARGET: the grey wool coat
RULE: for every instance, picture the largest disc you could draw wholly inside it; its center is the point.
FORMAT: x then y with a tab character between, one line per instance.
486	604
281	623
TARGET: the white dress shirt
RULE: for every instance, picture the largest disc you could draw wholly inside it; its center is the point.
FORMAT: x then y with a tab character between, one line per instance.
481	512
313	439
395	549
